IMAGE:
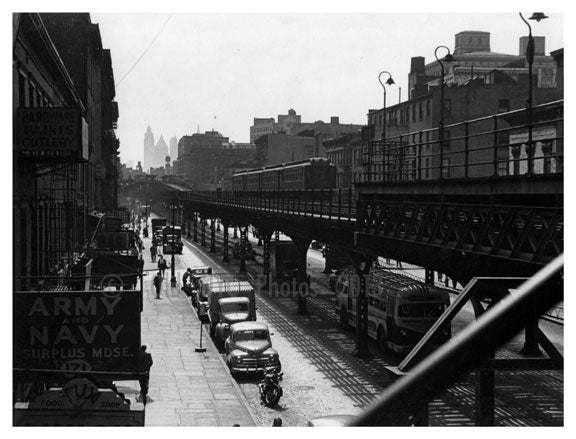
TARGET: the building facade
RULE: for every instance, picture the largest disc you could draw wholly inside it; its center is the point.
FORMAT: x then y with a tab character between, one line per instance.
63	83
202	158
412	126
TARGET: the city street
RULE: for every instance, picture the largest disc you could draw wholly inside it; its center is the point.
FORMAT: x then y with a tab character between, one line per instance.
321	377
409	268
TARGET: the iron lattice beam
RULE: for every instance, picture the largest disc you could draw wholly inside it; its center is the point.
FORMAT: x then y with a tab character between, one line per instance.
531	235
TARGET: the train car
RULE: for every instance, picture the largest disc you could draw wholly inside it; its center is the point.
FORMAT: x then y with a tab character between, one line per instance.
239	181
313	173
253	180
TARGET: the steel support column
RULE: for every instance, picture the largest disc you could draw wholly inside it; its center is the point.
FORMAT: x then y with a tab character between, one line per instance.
362	266
212	235
195	219
531	348
203	231
243	242
225	257
302	284
266	237
235	235
484	404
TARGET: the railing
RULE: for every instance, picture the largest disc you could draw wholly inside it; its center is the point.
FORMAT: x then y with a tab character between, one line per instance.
491	146
403	401
332	204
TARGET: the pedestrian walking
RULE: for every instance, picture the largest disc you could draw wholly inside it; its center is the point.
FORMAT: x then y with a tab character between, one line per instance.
140	268
162	265
157	281
153	251
398	263
186	276
145	365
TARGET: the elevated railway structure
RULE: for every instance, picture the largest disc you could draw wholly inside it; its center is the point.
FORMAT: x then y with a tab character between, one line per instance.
482	203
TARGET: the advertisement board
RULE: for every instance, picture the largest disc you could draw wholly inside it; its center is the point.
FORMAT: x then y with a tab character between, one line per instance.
94	330
52	132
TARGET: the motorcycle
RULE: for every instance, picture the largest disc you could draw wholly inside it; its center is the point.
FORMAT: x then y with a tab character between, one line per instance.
269	387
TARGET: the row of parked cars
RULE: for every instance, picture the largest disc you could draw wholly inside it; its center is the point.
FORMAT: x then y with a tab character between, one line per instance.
228	304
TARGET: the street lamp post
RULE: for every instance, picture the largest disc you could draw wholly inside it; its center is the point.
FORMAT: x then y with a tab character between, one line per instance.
447	58
389	81
173	282
530	60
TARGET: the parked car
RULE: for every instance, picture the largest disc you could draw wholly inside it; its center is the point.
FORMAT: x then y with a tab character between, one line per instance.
248	348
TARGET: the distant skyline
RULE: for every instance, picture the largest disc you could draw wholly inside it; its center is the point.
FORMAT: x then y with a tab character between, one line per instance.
220	71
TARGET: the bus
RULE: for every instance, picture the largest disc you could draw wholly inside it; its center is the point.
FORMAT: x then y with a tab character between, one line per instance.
400	310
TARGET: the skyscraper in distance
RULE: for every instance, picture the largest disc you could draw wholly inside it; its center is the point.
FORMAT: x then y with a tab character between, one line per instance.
148	149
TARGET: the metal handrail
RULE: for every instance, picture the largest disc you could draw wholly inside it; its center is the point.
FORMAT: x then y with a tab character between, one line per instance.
400	403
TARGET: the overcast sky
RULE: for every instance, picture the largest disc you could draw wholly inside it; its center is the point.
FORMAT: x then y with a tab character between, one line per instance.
182	72
219	71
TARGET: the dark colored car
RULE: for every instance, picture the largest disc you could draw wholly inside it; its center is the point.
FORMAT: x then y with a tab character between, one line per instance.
248	348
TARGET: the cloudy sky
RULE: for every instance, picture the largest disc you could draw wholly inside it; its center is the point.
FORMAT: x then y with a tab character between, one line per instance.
184	72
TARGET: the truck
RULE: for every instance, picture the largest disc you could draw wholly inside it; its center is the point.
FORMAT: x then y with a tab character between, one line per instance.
172	240
229	302
157	225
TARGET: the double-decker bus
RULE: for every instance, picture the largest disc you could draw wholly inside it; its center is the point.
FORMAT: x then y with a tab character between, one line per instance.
400	310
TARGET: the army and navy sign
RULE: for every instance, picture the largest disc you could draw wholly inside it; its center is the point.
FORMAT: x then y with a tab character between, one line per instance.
94	330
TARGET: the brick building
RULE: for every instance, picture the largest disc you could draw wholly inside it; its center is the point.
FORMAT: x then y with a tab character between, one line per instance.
202	158
490	90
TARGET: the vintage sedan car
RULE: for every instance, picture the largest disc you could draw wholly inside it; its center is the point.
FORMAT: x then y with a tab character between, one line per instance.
248	348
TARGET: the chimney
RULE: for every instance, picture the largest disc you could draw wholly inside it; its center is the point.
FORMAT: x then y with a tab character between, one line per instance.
539	46
334	120
417	64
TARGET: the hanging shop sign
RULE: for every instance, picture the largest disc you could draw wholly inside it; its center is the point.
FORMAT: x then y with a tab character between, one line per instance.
52	133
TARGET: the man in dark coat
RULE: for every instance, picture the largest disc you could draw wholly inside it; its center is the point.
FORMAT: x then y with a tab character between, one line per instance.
145	365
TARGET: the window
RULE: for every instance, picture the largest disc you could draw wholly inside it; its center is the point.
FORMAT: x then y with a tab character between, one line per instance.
413	112
503	105
428	108
31	94
445	168
21	90
421	110
447	107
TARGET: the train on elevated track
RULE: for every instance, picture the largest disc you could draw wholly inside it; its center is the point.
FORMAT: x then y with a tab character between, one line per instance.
313	173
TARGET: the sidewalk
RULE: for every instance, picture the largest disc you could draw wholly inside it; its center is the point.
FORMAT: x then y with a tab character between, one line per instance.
187	388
